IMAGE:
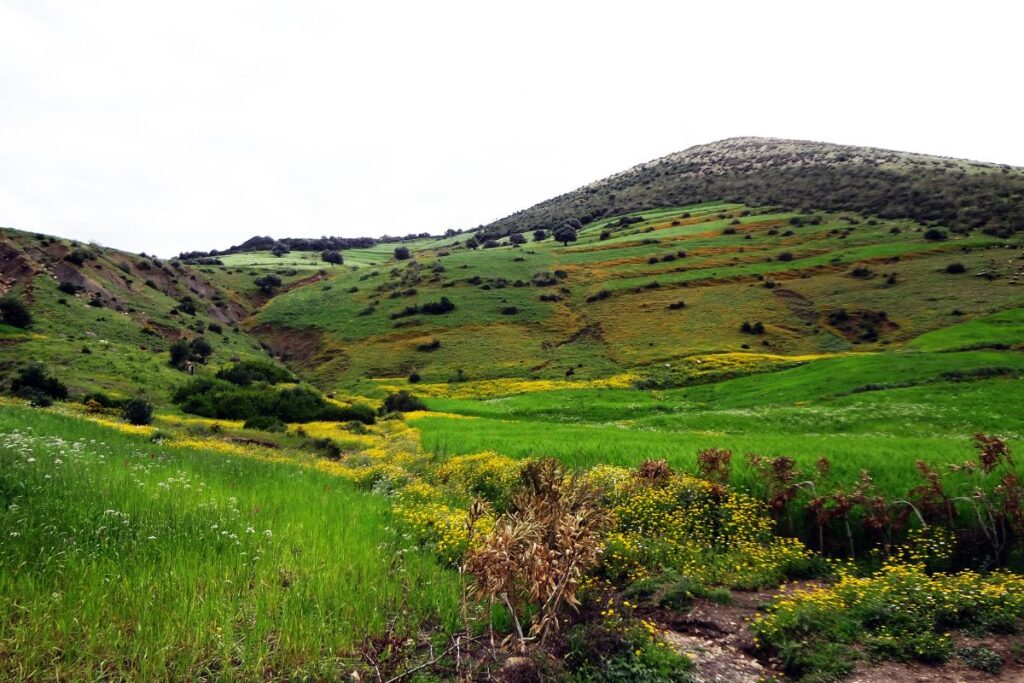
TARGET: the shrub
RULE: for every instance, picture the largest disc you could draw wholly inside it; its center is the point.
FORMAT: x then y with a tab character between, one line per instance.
414	377
786	256
34	384
599	296
981	658
402	253
265	423
268	284
540	235
402	402
730	230
544	278
137	411
676	305
14	312
332	256
67	287
217	398
431	345
956	268
540	549
445	305
516	238
243	373
509	310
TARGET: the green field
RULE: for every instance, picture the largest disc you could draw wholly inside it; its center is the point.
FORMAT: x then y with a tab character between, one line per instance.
122	559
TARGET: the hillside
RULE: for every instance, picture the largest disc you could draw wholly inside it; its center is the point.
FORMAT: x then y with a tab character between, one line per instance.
104	319
961	195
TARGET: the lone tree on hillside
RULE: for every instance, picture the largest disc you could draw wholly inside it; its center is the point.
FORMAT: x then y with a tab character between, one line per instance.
402	253
566	234
517	238
332	256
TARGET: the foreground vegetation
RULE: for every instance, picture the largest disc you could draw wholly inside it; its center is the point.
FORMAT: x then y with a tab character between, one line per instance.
124	558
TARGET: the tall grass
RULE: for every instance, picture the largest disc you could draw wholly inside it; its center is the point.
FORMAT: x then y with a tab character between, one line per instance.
124	559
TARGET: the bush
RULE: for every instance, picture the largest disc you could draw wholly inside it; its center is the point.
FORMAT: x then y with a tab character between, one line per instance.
137	411
414	377
432	345
786	256
268	284
956	268
540	235
332	256
217	398
935	235
981	658
265	423
509	310
517	238
402	402
599	296
243	373
14	312
402	253
67	287
34	384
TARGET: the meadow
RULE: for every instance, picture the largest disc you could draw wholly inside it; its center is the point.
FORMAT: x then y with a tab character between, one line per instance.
124	558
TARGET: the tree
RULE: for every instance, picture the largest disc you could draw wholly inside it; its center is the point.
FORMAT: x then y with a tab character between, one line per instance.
472	243
280	249
268	284
332	256
565	234
14	312
540	235
402	253
517	238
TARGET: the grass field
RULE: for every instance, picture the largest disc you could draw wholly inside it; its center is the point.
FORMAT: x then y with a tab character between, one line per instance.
122	559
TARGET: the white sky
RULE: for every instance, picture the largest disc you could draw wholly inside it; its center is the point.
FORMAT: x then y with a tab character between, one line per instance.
168	126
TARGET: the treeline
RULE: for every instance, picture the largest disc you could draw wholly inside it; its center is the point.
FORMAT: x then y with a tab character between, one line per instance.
794	175
321	244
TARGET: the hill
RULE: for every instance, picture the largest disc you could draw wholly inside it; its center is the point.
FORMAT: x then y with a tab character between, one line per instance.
796	174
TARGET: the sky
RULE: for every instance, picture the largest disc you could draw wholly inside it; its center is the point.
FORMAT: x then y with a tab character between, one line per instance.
172	126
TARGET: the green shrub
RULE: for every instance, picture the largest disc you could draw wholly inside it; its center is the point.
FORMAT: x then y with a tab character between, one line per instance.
14	312
402	402
137	411
981	658
243	373
217	398
34	384
265	423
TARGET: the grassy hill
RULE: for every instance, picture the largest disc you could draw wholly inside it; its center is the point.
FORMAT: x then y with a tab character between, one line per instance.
104	319
962	195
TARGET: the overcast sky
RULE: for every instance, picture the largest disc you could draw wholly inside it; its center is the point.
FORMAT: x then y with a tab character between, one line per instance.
169	126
